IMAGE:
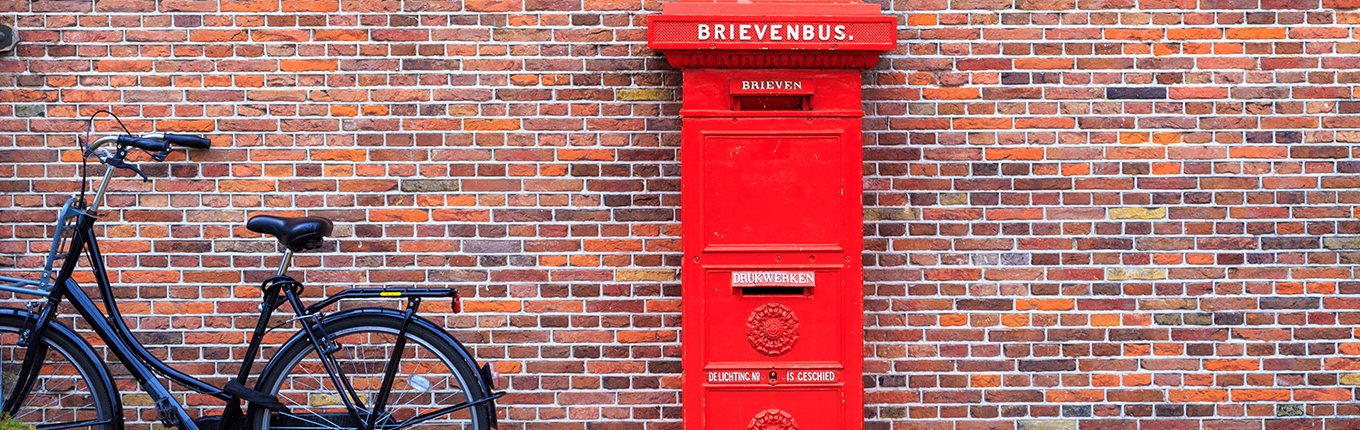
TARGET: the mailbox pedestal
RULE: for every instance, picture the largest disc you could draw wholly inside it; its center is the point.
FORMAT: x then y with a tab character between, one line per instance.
772	208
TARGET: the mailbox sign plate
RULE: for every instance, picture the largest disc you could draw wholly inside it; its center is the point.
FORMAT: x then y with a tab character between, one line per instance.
760	87
757	377
774	278
772	32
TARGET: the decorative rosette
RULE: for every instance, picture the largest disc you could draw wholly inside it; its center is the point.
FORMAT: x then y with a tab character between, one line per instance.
773	419
772	329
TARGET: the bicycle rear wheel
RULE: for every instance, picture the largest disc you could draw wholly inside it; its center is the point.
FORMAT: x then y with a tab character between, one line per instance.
72	389
432	375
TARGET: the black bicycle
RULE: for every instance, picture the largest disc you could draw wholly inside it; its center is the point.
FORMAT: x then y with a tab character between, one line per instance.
363	368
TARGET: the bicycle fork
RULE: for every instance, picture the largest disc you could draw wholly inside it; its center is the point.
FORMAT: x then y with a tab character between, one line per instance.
32	339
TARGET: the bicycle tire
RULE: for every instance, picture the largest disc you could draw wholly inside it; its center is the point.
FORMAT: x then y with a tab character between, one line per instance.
72	386
365	339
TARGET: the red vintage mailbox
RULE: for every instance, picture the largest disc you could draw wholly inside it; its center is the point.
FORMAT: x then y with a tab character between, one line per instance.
772	211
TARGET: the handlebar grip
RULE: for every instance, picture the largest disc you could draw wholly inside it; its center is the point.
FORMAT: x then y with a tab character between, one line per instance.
188	141
149	145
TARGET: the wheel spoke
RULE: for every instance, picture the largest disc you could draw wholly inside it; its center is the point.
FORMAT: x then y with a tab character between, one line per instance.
431	377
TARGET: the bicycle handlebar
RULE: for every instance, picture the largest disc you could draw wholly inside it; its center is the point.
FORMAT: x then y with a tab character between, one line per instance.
196	142
155	142
147	144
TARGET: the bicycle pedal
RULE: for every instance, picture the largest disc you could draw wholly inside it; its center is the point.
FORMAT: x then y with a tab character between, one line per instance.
165	408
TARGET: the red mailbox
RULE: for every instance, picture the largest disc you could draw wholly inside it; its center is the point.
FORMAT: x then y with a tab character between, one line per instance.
772	208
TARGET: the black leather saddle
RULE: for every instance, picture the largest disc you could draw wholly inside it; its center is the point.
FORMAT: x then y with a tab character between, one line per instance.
296	233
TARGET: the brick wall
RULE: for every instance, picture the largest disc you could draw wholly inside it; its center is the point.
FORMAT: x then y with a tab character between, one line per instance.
1079	213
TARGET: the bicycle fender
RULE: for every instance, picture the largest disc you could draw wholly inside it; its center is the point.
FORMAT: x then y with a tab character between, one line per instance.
301	336
55	328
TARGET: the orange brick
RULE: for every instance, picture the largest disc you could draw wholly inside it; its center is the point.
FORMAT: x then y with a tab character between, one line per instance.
984	381
1105	320
953	320
1015	320
311	6
1015	153
1232	365
491	306
1259	395
1256	33
951	93
922	19
401	215
1133	138
1045	304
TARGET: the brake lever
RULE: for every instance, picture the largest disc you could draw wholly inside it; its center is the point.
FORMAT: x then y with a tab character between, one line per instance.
119	163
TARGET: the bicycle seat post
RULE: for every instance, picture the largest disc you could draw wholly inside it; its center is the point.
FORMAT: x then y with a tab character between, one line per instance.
287	259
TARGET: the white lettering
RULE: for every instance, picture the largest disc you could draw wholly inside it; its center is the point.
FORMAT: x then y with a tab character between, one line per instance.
773	32
773	278
811	376
742	376
818	376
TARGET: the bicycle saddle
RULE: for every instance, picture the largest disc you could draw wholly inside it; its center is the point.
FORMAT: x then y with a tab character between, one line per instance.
297	233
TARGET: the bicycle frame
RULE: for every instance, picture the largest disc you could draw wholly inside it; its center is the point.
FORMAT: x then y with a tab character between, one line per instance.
144	367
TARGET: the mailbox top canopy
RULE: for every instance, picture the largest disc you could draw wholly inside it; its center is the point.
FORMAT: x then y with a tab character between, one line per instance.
824	34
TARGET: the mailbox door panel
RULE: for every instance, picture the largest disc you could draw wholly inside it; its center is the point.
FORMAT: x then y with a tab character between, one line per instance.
767	185
768	188
783	328
745	409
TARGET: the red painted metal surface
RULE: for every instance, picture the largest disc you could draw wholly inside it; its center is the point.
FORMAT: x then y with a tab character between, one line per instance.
772	198
772	280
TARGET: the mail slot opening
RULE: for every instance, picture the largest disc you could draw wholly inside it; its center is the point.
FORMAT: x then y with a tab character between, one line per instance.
773	103
773	291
